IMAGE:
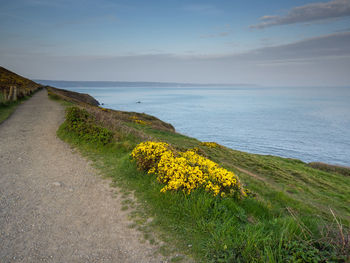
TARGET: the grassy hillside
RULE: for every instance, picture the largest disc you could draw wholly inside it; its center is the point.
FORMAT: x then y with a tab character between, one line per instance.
297	212
13	90
14	87
71	96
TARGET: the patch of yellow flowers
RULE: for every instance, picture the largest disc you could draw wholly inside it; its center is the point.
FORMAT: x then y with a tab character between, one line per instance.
185	171
210	144
136	120
104	109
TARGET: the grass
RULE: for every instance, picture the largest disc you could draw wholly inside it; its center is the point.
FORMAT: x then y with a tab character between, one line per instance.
6	109
24	87
290	208
54	97
290	219
295	182
331	168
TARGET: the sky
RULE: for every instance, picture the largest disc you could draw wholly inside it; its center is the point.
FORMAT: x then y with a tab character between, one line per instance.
272	42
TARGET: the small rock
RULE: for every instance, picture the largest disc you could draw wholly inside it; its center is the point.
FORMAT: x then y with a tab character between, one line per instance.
57	184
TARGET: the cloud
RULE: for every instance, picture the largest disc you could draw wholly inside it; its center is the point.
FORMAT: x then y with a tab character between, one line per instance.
308	13
222	31
318	61
326	46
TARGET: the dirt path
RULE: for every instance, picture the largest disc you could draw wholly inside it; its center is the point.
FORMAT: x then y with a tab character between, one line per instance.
53	207
249	173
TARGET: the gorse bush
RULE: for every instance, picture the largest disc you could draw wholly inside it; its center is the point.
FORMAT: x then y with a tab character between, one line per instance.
186	171
83	124
138	121
210	144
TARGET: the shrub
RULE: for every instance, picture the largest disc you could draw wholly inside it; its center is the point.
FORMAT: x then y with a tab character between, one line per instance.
53	96
83	124
301	251
138	121
186	171
210	144
104	109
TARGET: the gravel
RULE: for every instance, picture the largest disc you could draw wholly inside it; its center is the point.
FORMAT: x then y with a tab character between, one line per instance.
53	205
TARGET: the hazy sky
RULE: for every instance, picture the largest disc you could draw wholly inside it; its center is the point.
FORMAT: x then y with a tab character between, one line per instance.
272	42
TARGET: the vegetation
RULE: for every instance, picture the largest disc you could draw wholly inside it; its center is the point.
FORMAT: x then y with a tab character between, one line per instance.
295	213
6	109
186	171
13	90
14	87
331	168
71	96
83	125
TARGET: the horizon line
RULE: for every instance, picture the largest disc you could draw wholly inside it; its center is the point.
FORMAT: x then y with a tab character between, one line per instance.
193	83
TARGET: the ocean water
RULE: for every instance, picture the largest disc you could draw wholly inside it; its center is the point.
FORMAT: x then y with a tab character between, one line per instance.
310	124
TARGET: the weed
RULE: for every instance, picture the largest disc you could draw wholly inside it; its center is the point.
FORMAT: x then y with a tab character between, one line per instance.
83	124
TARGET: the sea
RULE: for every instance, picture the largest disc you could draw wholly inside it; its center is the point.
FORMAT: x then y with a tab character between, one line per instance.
306	123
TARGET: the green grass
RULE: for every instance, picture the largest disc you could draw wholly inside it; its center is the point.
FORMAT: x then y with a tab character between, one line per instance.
56	98
6	109
289	219
297	184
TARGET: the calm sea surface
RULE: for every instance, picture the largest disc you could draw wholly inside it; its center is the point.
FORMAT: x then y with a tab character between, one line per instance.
311	124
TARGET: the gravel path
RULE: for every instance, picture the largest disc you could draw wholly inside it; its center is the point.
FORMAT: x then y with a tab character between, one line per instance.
53	207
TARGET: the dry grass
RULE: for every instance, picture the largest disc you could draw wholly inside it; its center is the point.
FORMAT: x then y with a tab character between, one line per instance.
120	122
71	96
331	168
14	87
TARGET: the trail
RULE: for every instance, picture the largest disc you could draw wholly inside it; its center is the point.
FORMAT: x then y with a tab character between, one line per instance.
249	173
53	205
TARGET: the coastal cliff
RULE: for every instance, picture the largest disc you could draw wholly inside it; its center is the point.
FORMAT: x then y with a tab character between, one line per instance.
287	210
290	208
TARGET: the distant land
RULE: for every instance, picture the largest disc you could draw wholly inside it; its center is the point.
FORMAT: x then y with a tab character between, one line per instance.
65	83
82	83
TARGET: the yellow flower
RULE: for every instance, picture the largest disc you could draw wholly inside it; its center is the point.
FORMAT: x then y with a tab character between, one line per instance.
210	144
185	171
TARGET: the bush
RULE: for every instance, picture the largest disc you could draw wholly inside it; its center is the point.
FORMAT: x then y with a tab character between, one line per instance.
186	171
138	121
301	251
53	96
83	124
210	144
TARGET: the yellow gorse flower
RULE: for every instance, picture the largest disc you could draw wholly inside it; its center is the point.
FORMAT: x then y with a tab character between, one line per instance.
186	171
210	144
138	121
